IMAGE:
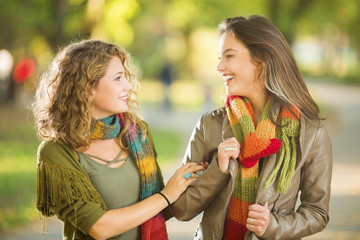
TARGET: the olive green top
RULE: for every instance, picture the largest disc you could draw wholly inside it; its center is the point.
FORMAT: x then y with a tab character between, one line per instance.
64	189
119	187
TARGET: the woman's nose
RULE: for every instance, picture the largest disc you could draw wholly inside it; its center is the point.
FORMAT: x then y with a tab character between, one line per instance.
129	85
220	66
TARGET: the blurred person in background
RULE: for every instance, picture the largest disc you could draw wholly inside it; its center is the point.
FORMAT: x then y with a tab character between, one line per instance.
97	169
265	147
166	76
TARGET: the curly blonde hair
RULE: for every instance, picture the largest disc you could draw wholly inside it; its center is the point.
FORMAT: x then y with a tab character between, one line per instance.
62	107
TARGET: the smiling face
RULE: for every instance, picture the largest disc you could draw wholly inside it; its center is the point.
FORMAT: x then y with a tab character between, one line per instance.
111	93
237	68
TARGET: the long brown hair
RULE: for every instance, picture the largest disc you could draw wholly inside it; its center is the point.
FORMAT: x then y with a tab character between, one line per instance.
62	107
271	52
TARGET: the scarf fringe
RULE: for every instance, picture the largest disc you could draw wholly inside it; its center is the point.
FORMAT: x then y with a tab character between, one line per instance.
288	169
287	165
52	187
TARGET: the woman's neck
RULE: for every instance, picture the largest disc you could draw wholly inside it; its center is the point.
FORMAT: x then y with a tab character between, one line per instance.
258	103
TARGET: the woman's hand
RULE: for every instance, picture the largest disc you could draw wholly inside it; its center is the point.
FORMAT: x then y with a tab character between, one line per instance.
258	219
230	148
181	179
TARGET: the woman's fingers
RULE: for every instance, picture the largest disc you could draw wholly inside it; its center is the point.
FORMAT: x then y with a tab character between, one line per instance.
258	219
192	176
229	148
191	170
182	178
195	168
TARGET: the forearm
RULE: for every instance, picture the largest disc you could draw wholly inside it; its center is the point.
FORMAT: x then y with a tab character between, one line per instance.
117	221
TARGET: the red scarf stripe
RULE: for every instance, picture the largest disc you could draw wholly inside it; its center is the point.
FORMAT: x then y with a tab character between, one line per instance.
154	228
251	160
234	230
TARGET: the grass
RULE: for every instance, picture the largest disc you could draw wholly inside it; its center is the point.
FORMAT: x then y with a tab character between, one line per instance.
167	143
18	147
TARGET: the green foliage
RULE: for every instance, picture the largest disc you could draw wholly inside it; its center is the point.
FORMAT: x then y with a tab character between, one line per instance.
159	30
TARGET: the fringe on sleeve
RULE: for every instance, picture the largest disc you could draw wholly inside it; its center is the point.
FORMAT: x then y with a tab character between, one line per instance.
57	184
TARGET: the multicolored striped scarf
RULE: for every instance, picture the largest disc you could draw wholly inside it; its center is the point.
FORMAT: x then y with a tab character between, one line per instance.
258	141
141	150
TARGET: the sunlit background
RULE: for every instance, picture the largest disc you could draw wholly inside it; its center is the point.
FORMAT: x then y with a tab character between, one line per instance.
178	36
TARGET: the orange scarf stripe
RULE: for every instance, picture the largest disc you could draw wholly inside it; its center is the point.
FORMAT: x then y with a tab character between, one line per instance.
249	172
285	113
265	129
240	108
240	212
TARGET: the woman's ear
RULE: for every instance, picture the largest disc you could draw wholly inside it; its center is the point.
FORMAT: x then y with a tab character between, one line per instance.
90	94
261	65
260	68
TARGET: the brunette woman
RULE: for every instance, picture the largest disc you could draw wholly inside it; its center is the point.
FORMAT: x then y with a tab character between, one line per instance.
266	147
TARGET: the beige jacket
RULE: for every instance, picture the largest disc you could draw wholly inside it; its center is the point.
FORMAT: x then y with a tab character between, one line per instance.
211	192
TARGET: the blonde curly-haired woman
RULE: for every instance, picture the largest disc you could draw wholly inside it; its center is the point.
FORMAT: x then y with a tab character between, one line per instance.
97	169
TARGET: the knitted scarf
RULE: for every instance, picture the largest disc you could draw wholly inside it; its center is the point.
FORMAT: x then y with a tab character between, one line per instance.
258	141
142	151
105	128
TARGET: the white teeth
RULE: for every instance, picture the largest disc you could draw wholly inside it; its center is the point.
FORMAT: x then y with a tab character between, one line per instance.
123	98
227	77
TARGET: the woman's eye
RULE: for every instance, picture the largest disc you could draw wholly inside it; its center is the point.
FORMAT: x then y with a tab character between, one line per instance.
229	56
118	78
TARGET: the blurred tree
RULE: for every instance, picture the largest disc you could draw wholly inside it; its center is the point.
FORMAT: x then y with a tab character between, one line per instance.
162	29
285	15
21	21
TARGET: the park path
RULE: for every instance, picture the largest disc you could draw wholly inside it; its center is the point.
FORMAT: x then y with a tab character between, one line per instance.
341	105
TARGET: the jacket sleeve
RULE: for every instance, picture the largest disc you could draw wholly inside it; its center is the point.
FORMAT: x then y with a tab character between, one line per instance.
201	192
65	191
312	215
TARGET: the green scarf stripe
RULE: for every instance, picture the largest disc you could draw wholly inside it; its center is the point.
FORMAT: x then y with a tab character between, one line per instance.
241	130
247	125
241	184
265	113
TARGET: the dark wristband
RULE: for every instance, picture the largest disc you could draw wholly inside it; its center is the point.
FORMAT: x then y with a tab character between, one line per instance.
165	198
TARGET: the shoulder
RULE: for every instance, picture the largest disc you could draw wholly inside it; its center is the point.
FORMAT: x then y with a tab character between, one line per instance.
311	128
147	128
313	132
214	117
54	152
